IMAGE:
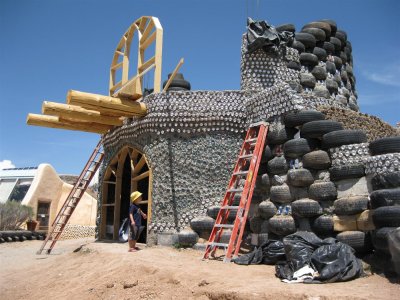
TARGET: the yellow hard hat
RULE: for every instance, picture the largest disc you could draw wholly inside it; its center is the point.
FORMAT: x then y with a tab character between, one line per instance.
135	196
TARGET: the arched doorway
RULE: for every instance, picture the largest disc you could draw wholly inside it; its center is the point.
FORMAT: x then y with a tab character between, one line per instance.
128	171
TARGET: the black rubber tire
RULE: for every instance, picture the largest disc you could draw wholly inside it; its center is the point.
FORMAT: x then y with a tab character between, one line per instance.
212	211
358	240
307	80
336	43
387	216
320	53
343	137
385	197
267	209
330	68
264	228
178	83
277	166
351	205
386	181
286	27
316	160
323	191
380	238
321	25
318	33
323	224
282	225
187	238
343	76
308	40
202	224
278	136
342	36
294	65
385	145
316	129
338	62
306	208
300	177
331	23
332	86
255	224
297	147
347	172
308	59
265	181
281	194
321	91
329	48
267	154
299	46
301	117
319	73
343	57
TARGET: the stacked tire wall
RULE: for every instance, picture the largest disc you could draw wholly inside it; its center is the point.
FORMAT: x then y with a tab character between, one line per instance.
312	178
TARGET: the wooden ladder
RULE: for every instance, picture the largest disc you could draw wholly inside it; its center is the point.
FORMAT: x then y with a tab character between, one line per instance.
73	199
246	167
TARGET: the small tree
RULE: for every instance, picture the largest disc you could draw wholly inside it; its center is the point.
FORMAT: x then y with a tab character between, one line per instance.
13	215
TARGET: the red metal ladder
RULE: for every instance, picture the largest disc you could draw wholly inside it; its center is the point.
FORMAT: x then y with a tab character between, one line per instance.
247	166
73	198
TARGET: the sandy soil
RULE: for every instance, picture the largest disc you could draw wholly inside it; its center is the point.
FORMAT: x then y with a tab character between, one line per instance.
108	271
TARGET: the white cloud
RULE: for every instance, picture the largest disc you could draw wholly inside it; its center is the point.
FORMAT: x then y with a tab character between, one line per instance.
5	164
386	74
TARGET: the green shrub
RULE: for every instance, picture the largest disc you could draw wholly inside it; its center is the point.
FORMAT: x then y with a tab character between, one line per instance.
13	215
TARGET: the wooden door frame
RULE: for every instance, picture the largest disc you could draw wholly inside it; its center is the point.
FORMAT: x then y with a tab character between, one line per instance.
116	167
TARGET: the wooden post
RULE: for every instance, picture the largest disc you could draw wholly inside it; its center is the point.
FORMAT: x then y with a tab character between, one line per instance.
56	122
73	113
106	104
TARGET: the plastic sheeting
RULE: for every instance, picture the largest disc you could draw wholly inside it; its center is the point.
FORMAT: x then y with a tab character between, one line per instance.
268	253
331	260
260	35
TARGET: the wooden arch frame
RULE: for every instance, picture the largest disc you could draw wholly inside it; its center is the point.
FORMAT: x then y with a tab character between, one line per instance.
113	177
149	31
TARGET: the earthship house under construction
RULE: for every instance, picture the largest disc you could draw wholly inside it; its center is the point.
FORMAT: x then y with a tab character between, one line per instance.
326	166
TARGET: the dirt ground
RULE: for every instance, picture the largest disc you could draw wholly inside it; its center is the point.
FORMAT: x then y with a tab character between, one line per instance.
108	271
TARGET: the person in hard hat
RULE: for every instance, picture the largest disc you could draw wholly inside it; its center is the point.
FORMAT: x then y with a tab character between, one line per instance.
135	217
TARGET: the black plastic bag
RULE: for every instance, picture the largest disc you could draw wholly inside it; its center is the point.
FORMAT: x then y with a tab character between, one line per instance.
268	253
260	35
299	247
335	262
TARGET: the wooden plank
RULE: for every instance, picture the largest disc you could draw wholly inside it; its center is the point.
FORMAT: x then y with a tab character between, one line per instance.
147	31
108	205
150	196
158	60
56	122
108	182
146	43
141	176
139	165
130	89
116	86
147	64
178	66
117	66
73	112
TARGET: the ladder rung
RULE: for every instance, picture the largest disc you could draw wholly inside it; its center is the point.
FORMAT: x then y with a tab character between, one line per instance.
223	225
251	140
234	190
246	156
218	244
240	173
229	207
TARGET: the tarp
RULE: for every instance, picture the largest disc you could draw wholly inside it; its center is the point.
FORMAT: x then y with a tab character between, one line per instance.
301	252
260	35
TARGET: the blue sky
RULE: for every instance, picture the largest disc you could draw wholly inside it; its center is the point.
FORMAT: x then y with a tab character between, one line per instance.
50	46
